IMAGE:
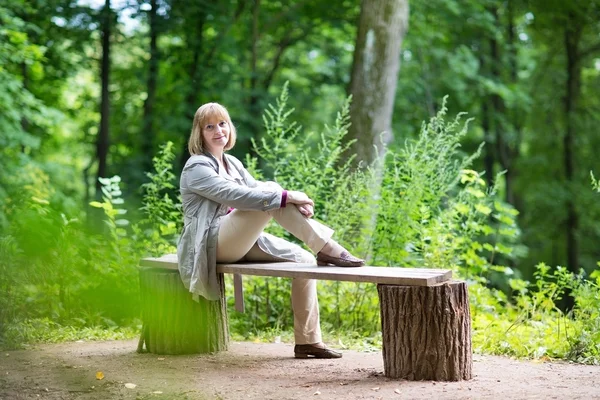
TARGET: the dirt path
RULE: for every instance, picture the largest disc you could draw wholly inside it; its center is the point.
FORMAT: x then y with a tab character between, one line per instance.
266	371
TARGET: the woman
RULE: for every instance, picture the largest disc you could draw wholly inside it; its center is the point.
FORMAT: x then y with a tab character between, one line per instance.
212	184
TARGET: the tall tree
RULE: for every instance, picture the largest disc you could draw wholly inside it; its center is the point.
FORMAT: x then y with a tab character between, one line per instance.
148	133
103	140
381	29
580	16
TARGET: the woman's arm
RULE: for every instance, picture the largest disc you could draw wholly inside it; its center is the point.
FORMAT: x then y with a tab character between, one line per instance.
299	199
202	179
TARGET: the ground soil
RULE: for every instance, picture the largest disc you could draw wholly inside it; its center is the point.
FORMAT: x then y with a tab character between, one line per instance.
266	371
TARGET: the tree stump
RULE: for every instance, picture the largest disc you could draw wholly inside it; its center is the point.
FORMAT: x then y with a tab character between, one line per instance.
173	322
426	331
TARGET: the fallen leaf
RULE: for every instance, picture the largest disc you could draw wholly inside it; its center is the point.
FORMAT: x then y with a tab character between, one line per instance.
397	391
316	393
130	385
161	358
99	375
157	392
375	389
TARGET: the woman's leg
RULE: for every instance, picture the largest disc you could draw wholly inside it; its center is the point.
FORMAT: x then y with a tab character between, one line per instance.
239	230
305	304
238	233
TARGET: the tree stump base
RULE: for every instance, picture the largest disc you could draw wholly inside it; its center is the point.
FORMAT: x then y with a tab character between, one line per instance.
173	322
426	332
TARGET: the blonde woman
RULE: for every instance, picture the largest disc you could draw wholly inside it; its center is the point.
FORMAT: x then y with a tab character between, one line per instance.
226	210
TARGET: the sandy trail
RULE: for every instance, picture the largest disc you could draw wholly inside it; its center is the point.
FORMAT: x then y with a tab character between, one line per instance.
266	371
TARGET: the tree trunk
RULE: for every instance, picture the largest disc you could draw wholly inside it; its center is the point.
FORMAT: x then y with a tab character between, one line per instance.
254	57
176	324
426	332
148	133
103	142
195	42
253	81
501	128
572	38
489	157
516	119
381	30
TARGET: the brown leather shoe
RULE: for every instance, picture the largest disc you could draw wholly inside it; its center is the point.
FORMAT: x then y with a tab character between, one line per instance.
344	260
309	350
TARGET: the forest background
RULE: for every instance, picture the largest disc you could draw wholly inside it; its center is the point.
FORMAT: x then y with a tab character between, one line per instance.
96	104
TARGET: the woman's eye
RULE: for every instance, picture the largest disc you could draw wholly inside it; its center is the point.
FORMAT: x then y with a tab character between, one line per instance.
222	123
209	127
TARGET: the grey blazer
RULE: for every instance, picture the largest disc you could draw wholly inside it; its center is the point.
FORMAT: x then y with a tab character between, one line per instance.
206	197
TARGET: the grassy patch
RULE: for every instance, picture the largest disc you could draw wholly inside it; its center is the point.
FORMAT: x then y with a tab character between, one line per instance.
20	334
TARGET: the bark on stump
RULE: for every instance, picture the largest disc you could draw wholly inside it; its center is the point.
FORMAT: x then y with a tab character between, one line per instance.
426	331
174	323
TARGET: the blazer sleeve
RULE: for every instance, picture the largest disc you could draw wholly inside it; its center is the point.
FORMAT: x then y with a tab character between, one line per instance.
202	179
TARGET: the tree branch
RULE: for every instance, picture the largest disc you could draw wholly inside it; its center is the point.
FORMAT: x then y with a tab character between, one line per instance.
284	44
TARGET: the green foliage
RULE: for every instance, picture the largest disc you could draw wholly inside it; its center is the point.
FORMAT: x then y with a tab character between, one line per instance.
57	269
162	220
312	162
111	197
415	226
533	325
61	281
595	183
19	108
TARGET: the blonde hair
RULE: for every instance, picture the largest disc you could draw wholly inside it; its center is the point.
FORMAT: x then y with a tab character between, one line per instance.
206	111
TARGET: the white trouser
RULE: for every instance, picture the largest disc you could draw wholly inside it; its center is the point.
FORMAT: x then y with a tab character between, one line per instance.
238	233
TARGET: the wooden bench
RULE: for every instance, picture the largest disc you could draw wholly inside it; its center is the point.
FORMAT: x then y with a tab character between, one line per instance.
425	316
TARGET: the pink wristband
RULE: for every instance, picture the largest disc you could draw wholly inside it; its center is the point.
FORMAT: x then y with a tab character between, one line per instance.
284	198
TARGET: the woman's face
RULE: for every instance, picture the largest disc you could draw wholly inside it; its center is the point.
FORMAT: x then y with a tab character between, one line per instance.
215	134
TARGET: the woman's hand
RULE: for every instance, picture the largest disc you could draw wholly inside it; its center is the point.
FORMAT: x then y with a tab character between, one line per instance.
306	210
302	202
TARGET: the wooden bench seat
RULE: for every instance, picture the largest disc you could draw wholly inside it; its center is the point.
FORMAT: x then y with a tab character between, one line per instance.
425	317
390	276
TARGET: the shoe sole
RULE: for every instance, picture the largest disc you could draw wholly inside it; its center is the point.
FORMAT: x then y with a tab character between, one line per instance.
326	264
321	355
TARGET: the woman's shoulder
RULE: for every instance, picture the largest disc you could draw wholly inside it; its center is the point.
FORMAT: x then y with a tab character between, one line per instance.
199	159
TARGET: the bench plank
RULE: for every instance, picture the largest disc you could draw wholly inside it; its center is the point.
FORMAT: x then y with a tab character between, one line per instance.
380	275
